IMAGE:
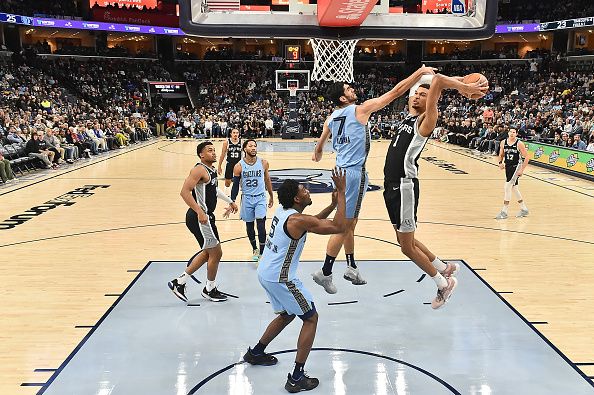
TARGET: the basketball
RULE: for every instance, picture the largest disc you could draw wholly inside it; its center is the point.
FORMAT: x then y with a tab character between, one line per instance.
473	78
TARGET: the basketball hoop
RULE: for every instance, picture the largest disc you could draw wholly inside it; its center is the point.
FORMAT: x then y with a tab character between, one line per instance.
333	59
292	91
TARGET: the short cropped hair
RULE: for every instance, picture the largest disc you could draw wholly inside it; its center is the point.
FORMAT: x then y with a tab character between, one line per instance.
201	147
335	91
246	142
287	192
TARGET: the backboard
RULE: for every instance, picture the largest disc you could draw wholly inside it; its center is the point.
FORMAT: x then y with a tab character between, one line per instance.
428	20
286	79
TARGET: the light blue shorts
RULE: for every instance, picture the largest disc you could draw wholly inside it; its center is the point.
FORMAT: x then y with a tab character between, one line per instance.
357	181
252	207
290	298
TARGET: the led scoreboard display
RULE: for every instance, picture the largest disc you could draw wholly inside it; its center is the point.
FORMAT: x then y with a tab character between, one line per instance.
292	53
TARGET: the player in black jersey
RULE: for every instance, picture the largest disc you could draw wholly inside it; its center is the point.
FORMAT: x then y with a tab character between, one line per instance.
401	185
200	192
232	150
511	150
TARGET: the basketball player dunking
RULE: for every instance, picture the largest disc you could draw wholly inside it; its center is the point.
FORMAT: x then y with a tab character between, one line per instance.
232	151
351	142
200	192
401	185
511	151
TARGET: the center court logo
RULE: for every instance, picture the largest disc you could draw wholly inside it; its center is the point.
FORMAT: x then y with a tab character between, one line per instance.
554	156
538	153
316	180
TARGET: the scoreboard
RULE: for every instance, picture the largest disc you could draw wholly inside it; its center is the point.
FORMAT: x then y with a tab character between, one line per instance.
292	53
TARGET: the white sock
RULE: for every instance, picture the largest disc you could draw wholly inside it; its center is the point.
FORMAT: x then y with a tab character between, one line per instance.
523	205
210	285
440	281
438	264
183	278
504	209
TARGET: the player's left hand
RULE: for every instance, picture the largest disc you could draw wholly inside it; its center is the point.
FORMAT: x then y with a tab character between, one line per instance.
520	173
334	198
270	201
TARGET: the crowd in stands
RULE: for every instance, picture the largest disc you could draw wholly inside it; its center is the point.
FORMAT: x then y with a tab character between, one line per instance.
522	11
62	8
56	111
547	104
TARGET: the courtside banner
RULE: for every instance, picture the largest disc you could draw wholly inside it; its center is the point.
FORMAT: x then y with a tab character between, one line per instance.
562	157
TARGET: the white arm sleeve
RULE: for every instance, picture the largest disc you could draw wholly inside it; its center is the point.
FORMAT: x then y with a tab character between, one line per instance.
221	195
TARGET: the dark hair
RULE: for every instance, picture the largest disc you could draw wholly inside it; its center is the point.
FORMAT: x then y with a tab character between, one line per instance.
245	143
335	91
426	86
287	192
201	147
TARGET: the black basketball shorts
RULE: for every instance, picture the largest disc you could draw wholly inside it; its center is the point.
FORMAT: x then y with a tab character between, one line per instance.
401	202
206	234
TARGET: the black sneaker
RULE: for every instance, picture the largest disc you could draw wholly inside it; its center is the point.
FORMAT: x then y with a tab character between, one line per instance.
178	289
214	295
263	359
305	383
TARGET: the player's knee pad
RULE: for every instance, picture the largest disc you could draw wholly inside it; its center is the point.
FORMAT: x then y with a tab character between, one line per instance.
507	191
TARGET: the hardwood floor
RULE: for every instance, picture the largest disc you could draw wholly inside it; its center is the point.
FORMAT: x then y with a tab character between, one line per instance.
58	265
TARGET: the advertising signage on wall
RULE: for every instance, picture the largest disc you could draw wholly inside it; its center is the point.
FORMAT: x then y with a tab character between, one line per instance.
563	158
89	25
518	28
124	3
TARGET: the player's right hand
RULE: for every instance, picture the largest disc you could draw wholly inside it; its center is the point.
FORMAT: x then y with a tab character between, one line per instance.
339	178
501	166
317	156
202	217
475	89
427	70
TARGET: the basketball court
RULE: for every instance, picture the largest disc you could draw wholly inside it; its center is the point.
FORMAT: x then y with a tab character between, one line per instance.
89	311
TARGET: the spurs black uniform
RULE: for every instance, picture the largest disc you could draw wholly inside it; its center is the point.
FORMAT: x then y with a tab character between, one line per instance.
206	197
233	156
512	160
401	185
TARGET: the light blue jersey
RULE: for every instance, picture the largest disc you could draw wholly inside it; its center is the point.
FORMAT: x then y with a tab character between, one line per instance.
350	139
281	254
252	178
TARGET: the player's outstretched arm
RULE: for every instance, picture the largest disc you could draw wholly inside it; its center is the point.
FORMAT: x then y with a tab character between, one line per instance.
364	110
308	223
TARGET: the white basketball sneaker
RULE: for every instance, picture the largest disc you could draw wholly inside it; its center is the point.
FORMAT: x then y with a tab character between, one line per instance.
353	275
324	281
522	213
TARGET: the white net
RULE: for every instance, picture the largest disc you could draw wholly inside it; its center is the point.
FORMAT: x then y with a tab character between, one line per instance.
333	59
